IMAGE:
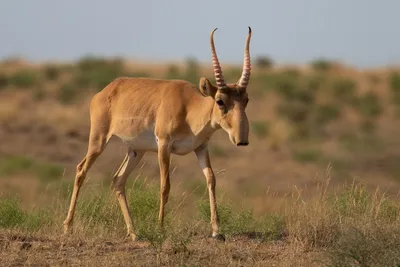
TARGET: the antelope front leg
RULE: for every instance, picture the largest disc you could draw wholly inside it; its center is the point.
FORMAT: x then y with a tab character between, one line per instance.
163	161
204	161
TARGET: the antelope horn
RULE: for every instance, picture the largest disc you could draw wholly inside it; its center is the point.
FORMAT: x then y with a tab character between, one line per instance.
244	79
219	78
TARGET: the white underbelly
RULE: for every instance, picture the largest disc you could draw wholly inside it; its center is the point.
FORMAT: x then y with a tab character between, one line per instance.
148	141
145	141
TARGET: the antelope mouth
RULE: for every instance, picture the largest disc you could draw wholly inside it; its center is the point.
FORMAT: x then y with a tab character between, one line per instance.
243	143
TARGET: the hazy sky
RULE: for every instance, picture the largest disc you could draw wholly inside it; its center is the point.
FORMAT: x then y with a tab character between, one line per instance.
365	33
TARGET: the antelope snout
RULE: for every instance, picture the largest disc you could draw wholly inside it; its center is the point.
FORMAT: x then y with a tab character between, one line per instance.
242	143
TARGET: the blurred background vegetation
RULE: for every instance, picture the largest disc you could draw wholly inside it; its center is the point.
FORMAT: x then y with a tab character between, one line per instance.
303	118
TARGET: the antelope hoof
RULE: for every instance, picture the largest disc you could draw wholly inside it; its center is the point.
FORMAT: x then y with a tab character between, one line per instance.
133	237
67	229
218	237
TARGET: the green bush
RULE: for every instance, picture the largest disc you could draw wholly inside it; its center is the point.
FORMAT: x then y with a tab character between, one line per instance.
13	164
96	72
4	81
38	94
321	64
48	172
192	72
24	78
263	62
16	164
286	87
367	126
173	72
395	82
344	90
315	83
52	72
327	112
369	105
67	93
296	112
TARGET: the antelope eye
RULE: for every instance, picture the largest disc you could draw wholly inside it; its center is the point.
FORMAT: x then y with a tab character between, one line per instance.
220	103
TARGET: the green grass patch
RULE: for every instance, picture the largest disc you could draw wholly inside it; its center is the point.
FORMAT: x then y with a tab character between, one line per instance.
18	164
13	217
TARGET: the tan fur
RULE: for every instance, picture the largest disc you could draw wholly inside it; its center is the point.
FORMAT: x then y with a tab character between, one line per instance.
163	116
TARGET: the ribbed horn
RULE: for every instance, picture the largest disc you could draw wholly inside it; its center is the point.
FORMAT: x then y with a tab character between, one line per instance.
219	78
244	79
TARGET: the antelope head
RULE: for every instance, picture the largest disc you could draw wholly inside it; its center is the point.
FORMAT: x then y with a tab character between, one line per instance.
230	100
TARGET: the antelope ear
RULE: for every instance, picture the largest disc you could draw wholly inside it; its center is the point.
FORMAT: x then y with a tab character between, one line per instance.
207	88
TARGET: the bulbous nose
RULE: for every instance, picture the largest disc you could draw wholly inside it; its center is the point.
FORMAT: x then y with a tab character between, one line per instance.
243	143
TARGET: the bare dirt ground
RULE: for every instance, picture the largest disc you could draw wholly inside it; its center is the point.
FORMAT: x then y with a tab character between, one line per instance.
19	250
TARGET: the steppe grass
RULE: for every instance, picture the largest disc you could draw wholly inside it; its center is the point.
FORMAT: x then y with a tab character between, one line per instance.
351	224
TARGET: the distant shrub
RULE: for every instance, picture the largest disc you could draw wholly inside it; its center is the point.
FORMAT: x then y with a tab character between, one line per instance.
395	90
344	90
67	93
367	126
38	94
260	128
295	112
24	78
48	172
369	105
192	70
321	64
97	72
291	73
15	164
52	72
327	112
286	86
304	96
4	81
12	164
314	83
173	72
395	82
263	62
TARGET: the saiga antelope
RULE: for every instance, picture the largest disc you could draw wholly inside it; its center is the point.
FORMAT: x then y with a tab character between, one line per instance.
165	116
